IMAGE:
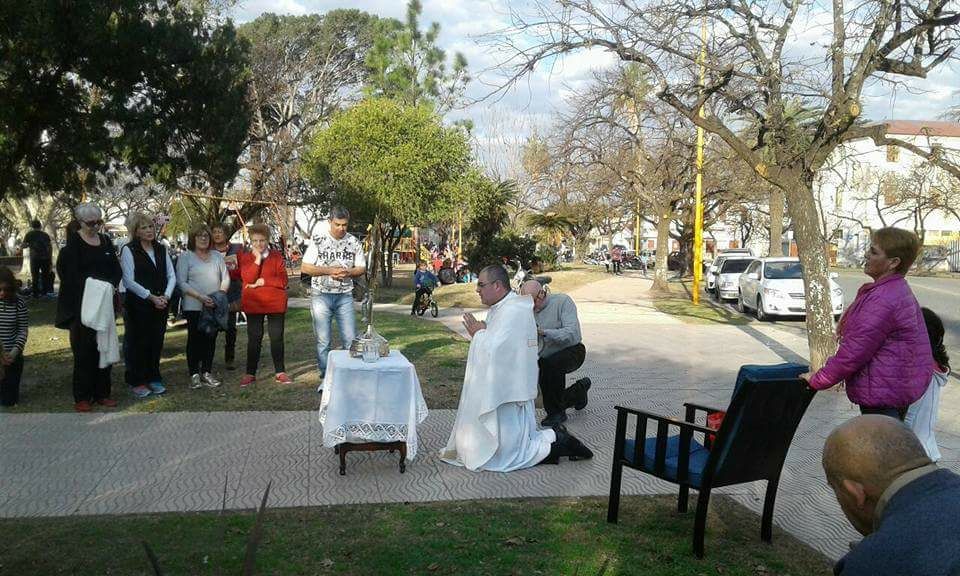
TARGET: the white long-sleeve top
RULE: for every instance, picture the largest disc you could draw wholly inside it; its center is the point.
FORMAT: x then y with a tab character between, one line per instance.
131	285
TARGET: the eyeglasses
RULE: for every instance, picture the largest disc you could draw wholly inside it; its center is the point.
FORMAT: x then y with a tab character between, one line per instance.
93	223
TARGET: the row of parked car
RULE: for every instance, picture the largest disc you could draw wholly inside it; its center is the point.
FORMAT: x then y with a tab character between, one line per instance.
768	286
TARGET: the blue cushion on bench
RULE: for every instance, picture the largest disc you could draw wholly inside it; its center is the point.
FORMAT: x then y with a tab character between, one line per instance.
698	458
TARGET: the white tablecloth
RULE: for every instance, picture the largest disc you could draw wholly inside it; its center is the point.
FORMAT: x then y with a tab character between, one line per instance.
371	402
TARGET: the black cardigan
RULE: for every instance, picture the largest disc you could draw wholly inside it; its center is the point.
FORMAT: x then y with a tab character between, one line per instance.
77	262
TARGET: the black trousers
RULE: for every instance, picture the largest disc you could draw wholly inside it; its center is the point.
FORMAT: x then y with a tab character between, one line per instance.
173	309
416	299
898	413
200	345
90	382
144	331
553	378
40	272
10	383
275	324
230	347
616	266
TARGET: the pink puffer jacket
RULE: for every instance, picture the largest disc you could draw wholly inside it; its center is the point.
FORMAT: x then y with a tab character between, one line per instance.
884	354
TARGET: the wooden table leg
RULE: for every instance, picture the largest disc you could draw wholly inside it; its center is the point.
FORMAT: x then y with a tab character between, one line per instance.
342	449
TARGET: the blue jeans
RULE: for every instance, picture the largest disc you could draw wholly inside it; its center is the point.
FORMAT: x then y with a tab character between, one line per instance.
323	307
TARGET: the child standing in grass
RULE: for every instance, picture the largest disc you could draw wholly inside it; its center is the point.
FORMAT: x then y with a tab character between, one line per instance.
13	338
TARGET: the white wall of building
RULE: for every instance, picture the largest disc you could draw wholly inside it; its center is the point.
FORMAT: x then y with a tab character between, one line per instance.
858	192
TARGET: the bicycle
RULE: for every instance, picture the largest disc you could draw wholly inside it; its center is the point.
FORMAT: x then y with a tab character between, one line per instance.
427	301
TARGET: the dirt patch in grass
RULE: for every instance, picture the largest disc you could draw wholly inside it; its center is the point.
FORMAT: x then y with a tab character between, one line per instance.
493	537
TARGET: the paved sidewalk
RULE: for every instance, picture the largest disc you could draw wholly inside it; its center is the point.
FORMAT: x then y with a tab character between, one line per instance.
75	464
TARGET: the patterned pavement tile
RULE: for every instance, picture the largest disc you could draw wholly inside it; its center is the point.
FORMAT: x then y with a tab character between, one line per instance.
56	464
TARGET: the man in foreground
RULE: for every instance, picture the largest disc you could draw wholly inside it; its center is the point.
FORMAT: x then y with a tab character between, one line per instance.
560	351
496	426
908	509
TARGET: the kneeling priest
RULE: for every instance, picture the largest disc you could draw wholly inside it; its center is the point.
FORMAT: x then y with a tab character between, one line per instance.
496	424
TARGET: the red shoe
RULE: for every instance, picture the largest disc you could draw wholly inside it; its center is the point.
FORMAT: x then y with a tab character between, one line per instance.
282	378
247	380
108	402
83	406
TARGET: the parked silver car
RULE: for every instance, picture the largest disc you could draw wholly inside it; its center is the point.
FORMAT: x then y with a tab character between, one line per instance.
727	277
774	287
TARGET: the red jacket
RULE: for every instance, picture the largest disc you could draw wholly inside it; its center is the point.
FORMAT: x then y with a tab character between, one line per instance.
271	298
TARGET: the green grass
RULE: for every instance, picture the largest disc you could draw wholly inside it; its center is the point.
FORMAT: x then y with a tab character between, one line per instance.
440	357
529	536
678	303
465	295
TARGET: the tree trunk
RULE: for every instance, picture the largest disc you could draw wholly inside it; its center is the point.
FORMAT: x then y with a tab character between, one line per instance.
813	257
663	250
775	247
581	243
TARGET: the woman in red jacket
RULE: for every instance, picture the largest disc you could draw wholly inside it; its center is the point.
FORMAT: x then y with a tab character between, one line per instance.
264	296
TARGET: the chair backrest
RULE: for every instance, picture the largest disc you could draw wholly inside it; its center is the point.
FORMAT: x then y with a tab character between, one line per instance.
767	406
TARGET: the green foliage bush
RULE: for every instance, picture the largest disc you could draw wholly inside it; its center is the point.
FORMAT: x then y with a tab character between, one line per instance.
548	256
510	244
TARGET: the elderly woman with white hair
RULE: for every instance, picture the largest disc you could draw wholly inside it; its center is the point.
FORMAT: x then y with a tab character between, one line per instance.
88	254
149	279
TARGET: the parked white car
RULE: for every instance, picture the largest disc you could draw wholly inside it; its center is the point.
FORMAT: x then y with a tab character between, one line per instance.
727	277
774	287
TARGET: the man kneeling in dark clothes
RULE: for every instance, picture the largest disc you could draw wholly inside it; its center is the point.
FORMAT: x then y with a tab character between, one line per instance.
560	352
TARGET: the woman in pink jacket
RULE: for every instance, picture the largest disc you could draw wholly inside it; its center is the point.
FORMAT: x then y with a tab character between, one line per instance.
884	352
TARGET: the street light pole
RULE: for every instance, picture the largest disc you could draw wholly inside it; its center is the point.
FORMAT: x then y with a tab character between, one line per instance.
698	213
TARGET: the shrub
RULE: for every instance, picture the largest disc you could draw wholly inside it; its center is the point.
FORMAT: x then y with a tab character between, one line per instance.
510	245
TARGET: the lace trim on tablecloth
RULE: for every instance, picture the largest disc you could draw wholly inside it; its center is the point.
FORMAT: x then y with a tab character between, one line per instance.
373	433
369	431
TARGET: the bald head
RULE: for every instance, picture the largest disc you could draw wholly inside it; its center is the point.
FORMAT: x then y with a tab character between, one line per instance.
534	289
530	288
871	450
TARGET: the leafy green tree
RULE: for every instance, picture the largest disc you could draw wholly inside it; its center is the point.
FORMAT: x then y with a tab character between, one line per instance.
388	163
304	68
406	64
145	83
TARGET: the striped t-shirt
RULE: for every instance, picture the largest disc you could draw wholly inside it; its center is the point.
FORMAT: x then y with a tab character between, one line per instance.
13	324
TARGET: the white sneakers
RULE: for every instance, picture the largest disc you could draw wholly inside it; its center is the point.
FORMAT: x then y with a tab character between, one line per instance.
210	380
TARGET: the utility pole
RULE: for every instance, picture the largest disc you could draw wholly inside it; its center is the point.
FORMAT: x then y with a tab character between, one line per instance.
698	213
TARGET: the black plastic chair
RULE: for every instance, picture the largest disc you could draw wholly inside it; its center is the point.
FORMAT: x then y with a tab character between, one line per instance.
751	444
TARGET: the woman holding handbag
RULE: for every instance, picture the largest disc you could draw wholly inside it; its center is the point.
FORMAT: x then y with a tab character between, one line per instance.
263	298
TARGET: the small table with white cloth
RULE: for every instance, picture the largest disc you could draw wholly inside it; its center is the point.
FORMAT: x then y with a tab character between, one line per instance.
371	405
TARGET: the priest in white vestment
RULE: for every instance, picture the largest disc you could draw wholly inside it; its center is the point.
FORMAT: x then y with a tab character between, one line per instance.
496	425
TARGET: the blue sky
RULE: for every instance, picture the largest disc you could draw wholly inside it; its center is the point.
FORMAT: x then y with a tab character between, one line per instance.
529	106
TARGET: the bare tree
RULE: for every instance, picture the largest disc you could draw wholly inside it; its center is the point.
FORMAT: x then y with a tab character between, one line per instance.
752	71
